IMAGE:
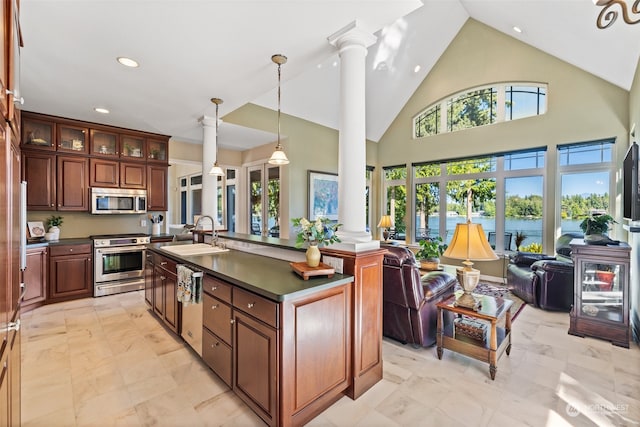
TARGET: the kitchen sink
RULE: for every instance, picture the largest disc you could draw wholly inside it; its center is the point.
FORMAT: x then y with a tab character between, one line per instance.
194	249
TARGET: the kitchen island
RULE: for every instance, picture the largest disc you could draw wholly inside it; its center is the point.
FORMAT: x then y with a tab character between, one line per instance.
283	344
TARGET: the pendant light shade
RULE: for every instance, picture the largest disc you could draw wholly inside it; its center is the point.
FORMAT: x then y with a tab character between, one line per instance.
279	157
215	169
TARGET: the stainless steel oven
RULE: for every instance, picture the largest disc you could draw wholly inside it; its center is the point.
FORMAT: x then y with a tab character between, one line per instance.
118	263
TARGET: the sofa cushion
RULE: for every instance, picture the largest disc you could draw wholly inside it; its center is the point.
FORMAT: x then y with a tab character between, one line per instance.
435	282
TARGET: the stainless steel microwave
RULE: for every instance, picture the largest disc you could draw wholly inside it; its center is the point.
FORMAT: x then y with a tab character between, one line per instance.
118	201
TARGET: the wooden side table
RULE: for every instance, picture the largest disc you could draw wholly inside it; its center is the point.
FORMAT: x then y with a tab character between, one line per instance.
491	309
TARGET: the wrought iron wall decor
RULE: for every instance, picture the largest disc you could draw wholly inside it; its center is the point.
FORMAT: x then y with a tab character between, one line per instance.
609	12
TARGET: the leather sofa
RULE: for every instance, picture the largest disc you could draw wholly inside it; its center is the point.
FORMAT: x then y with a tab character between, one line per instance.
544	281
409	310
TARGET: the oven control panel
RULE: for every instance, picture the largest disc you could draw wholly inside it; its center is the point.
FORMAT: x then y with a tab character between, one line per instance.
121	241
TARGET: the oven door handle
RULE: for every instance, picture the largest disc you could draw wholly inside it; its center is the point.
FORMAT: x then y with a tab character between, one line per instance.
120	249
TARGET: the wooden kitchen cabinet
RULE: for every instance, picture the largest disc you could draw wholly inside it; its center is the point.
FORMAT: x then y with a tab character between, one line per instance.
157	150
104	143
38	133
35	278
132	147
70	272
133	175
149	270
165	285
157	188
39	170
218	328
72	139
72	183
104	173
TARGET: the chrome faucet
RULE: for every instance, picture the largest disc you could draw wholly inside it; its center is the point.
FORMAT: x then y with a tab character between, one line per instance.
214	236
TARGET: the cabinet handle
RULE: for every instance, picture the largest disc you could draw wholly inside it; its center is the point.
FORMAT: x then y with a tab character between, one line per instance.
163	263
213	307
213	288
89	259
52	205
163	278
232	321
251	304
71	250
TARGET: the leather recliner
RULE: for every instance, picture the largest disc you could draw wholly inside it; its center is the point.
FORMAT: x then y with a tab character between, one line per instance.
544	281
409	310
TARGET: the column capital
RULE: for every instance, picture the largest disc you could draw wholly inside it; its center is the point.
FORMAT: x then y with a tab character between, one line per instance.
207	121
352	35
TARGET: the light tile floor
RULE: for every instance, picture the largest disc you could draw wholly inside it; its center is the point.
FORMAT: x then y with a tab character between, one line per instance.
108	362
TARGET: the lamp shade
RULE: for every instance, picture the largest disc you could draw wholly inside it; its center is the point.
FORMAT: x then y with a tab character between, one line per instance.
216	170
385	222
279	157
470	243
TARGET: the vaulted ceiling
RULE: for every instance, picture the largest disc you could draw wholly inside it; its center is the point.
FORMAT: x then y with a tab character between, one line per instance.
191	51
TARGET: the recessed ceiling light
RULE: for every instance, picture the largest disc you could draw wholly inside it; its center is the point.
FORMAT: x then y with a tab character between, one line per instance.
101	110
128	62
517	29
416	68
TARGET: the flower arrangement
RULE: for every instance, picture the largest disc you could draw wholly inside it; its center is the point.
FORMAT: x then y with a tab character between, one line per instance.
320	232
431	248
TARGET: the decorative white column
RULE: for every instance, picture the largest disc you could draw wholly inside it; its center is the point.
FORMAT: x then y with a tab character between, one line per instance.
352	42
209	182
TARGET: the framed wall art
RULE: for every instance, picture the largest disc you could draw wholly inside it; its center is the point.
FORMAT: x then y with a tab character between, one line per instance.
323	195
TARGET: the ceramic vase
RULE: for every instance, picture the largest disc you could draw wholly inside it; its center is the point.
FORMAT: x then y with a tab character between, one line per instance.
313	255
55	232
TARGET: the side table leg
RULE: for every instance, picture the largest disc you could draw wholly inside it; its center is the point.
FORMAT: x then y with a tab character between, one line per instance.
493	350
439	333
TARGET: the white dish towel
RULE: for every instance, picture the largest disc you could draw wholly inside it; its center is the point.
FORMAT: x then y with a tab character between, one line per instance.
189	286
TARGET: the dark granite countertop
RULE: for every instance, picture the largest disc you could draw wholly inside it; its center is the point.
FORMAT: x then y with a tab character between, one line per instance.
269	277
73	241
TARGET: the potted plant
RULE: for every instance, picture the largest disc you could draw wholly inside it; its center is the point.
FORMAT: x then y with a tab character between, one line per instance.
430	252
54	222
595	228
520	237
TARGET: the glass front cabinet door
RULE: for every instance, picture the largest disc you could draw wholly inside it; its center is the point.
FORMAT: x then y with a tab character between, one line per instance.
601	284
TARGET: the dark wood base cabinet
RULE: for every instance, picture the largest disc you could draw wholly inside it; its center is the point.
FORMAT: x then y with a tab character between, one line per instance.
35	278
70	272
601	292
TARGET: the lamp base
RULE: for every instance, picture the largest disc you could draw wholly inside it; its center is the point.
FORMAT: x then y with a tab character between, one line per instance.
468	278
385	235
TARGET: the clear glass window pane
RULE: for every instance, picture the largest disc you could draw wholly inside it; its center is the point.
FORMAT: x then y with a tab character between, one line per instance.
582	194
427	210
524	101
527	160
428	123
395	173
196	180
483	209
231	207
472	109
273	187
581	154
397	208
425	171
523	213
196	202
459	167
255	201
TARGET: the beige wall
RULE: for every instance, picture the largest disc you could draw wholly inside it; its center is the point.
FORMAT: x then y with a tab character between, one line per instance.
634	103
581	107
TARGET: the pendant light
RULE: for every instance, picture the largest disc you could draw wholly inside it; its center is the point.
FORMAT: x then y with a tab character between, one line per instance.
279	157
215	169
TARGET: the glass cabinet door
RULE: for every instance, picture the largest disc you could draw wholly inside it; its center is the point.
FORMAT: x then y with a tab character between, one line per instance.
72	138
38	133
104	143
602	290
132	147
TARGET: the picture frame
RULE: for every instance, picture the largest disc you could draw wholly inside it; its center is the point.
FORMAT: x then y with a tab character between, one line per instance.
323	195
36	229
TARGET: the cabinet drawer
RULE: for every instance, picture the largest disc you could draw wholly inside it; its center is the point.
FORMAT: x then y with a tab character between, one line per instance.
256	306
60	250
166	263
217	317
217	288
217	355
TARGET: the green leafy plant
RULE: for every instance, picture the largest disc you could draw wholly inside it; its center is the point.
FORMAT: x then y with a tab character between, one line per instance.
431	248
320	232
54	221
520	237
596	224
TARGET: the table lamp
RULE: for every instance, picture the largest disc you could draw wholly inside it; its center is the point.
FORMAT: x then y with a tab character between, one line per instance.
385	223
469	243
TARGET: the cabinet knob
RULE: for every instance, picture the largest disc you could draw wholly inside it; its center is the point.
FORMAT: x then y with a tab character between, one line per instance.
213	288
232	321
52	205
251	304
163	278
71	250
213	307
163	263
